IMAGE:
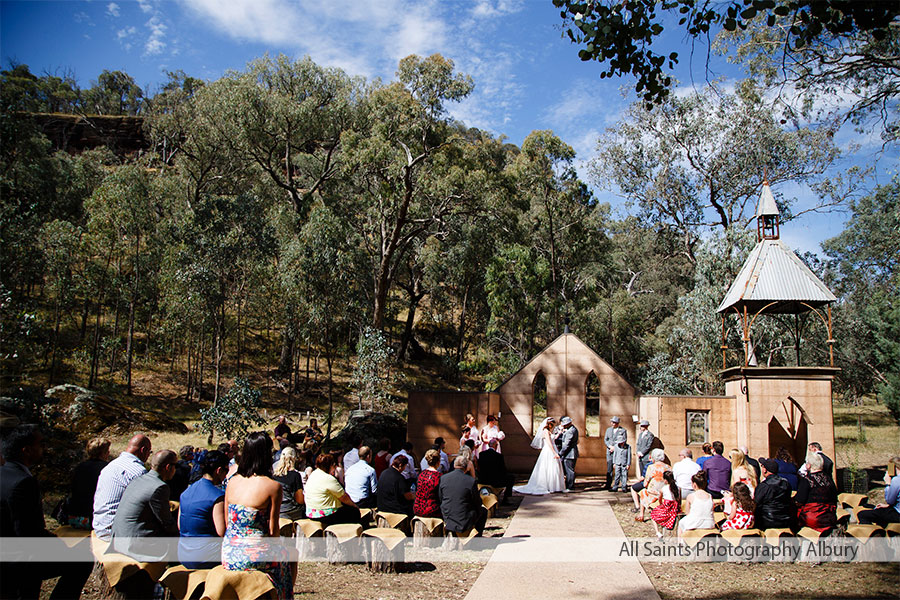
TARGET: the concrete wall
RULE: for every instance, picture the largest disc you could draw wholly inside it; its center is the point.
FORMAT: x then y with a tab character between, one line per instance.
798	399
566	364
668	421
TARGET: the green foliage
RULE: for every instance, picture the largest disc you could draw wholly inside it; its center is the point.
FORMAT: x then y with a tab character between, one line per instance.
621	34
372	377
235	413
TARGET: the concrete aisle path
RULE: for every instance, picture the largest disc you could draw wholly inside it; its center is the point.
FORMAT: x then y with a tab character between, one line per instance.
560	547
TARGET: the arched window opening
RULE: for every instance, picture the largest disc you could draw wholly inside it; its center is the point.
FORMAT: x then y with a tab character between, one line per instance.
539	401
592	406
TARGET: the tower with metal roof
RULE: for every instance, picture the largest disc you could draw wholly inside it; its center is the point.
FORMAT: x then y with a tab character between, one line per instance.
783	406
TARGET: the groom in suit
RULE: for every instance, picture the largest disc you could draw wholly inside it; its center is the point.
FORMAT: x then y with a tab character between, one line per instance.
568	450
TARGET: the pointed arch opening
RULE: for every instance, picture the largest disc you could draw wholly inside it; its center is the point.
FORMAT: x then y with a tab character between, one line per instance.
592	405
539	401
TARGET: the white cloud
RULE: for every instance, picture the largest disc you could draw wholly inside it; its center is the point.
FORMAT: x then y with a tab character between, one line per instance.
82	17
124	36
145	6
496	8
156	42
112	9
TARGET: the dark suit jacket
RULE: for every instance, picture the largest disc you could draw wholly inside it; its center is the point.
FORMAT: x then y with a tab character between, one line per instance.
460	501
755	464
21	511
569	448
492	468
143	513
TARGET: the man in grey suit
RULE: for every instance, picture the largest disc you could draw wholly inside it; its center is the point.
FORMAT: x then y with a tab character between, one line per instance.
611	441
568	450
644	444
144	512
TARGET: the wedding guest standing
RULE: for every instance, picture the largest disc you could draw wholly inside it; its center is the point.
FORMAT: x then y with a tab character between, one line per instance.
490	432
644	443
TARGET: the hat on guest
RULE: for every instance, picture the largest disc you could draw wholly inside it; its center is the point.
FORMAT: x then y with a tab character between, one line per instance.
645	423
615	419
565	421
770	464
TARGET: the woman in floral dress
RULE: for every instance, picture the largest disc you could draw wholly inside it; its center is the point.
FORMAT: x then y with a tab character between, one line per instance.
253	503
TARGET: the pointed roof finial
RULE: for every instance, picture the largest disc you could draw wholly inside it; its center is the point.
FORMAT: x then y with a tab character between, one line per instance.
566	321
767	206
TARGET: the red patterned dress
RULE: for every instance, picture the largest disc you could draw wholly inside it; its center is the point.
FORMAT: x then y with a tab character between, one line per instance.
427	503
667	512
740	520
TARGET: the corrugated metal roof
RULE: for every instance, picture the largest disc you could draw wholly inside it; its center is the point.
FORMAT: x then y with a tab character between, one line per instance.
766	204
773	273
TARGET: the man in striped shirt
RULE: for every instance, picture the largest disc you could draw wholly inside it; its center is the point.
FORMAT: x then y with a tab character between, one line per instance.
112	482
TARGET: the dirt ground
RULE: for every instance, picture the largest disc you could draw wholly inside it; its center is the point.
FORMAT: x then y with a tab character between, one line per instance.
708	581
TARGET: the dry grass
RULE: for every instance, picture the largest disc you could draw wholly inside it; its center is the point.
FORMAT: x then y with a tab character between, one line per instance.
871	446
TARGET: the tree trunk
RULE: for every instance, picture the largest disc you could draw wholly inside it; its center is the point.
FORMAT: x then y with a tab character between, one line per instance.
462	327
55	343
285	361
129	347
95	354
84	319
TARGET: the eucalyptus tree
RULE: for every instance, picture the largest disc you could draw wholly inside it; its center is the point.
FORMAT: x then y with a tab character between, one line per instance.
122	217
322	273
401	165
698	162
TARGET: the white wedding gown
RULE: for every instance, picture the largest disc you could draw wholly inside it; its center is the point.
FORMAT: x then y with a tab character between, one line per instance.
547	475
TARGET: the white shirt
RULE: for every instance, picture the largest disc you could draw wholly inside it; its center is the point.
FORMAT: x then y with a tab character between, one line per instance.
409	471
111	484
444	467
683	470
350	459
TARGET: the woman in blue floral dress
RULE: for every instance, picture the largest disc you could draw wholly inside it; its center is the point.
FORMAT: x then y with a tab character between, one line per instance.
253	503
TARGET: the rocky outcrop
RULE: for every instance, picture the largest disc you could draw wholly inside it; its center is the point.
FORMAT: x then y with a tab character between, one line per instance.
371	427
76	133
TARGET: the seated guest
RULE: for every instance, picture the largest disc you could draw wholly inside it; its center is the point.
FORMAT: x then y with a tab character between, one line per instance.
326	500
393	488
787	469
144	512
699	509
739	507
669	506
182	477
774	508
22	516
645	493
282	430
469	454
282	443
707	454
112	482
201	516
409	471
80	505
827	468
197	466
423	464
252	506
361	481
461	504
718	471
314	431
285	472
683	470
492	469
742	471
816	496
427	502
351	457
751	462
445	460
886	512
382	458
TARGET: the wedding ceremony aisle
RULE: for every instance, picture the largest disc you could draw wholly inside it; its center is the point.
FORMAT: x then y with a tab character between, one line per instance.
563	546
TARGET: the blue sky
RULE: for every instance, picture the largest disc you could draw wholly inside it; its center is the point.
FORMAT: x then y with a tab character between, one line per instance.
527	76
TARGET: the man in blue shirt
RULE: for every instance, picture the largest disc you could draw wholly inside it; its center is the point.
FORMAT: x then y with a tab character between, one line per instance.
360	480
888	511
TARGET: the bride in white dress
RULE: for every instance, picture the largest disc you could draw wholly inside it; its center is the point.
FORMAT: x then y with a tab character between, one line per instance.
547	475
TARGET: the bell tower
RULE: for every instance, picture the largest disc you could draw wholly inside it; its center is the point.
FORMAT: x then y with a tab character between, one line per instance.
785	406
